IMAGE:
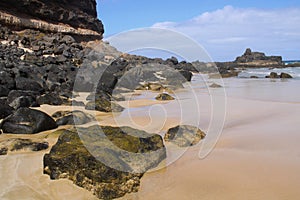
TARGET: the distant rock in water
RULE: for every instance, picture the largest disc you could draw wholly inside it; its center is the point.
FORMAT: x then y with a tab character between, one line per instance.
77	16
258	59
285	75
282	75
184	135
93	160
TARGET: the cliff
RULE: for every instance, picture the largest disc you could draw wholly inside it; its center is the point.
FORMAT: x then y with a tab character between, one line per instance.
67	16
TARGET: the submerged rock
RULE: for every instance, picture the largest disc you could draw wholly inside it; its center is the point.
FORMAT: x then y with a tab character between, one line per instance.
164	97
184	135
103	159
27	121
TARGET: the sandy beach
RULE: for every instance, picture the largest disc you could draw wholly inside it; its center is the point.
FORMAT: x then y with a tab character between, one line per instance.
256	157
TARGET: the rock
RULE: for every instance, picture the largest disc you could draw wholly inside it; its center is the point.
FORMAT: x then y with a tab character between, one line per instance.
285	75
103	105
67	39
17	144
3	91
258	59
173	60
164	97
28	84
15	94
214	85
27	121
50	99
7	80
186	74
253	76
72	118
273	75
5	110
184	135
92	161
3	151
23	101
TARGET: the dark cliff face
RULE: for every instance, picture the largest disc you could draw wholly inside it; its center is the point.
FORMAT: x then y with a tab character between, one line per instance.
79	14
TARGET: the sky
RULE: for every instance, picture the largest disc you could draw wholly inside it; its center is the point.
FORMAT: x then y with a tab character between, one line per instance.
224	28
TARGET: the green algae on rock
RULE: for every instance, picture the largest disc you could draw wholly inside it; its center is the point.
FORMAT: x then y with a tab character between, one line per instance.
109	164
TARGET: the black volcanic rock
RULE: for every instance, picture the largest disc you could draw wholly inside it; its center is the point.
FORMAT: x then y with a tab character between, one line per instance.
27	121
74	13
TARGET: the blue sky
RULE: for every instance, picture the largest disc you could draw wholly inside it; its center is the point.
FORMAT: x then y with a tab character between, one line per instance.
193	16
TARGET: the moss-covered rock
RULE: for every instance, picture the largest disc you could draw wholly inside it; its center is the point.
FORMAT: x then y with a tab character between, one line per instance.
184	135
108	161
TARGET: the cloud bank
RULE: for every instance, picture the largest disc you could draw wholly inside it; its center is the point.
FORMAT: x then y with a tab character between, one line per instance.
227	32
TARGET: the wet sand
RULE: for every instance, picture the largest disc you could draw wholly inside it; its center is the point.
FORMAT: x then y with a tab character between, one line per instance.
256	157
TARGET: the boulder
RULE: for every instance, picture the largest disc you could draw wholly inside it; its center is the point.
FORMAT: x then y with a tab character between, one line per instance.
5	110
23	101
28	84
184	135
3	91
75	117
285	75
273	75
93	160
50	99
164	97
15	94
27	121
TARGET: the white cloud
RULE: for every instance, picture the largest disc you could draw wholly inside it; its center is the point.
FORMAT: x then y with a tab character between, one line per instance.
225	33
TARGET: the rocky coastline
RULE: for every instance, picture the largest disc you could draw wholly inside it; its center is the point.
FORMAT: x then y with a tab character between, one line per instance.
50	52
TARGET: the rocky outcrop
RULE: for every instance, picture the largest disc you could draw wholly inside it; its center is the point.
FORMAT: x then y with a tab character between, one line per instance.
64	16
184	135
258	59
92	160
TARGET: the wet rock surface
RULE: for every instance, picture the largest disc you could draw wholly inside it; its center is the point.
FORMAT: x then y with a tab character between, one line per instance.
184	135
17	144
100	172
